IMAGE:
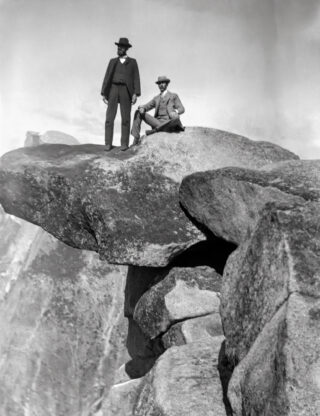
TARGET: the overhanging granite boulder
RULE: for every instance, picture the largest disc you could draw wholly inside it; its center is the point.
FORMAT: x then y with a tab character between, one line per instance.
228	201
123	205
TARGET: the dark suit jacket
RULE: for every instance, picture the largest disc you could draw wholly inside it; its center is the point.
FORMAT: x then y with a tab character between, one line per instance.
172	100
132	77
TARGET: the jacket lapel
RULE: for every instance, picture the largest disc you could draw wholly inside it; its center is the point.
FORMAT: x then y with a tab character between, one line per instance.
157	98
114	63
168	97
113	68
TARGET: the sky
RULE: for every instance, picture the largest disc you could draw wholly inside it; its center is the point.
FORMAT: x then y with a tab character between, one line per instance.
247	66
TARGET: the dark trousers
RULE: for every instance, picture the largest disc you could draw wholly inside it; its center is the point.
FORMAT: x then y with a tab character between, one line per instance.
118	94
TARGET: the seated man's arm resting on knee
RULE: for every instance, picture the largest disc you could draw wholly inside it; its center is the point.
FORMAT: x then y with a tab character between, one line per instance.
147	107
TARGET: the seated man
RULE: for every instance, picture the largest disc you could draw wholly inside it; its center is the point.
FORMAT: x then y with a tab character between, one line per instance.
168	108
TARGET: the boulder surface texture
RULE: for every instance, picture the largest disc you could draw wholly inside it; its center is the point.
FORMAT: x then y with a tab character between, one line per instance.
126	207
185	380
63	333
183	294
270	296
123	205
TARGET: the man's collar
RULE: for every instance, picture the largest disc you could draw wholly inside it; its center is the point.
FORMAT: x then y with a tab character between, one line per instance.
124	60
163	93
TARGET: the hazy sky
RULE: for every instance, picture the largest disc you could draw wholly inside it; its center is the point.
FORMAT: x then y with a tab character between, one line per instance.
247	66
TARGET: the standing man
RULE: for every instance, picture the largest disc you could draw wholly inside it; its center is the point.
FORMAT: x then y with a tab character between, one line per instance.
121	84
168	108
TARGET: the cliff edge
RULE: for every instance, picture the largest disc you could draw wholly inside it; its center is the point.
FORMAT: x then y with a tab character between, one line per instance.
123	205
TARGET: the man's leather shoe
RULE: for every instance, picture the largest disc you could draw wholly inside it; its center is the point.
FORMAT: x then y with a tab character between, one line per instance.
148	132
108	148
124	148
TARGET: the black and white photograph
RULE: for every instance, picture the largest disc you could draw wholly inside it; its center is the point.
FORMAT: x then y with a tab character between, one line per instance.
160	208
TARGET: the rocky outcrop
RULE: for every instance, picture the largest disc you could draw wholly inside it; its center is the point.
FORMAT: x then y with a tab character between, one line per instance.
142	350
180	379
203	328
281	258
274	284
270	290
123	205
122	399
228	201
280	373
63	332
185	380
183	294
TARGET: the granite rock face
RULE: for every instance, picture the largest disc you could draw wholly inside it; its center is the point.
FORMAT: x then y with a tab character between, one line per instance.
125	206
280	373
183	294
270	287
203	328
142	350
228	201
63	332
184	380
122	399
281	257
272	325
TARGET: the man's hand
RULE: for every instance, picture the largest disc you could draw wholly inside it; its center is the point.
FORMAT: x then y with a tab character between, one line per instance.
141	110
105	100
173	115
134	99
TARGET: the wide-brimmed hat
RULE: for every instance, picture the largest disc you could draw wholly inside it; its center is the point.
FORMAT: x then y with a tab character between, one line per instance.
123	42
163	78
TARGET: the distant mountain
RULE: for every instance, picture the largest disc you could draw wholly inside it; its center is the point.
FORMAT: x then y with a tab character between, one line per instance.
51	136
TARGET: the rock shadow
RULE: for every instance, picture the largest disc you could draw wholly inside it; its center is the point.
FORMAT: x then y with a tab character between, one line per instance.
213	252
225	368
